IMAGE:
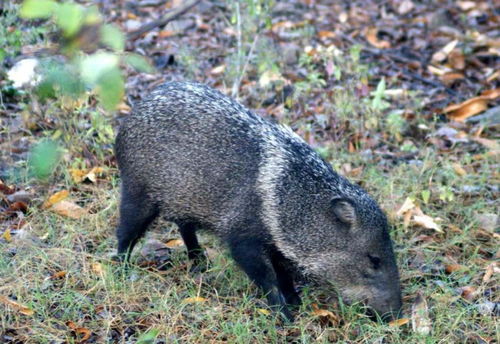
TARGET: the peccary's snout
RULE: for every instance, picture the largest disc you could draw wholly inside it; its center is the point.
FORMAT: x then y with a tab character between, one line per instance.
385	304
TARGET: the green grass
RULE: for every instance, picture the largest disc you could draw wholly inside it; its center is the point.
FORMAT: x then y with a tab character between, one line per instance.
114	304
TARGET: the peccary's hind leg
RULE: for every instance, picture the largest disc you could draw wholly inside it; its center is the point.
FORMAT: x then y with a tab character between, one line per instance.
194	250
284	276
250	254
136	214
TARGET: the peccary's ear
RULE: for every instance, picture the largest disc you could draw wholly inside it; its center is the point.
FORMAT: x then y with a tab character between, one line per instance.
344	210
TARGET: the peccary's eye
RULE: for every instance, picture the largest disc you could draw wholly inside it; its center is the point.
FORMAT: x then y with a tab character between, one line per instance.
375	261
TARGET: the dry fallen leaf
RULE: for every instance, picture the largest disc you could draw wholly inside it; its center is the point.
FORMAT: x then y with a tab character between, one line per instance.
82	175
407	205
324	314
427	222
443	53
283	25
399	322
123	107
218	70
420	321
6	235
466	109
20	308
450	268
57	275
490	269
491	94
449	78
456	59
68	209
407	218
57	197
195	299
466	5
7	190
268	77
438	71
490	144
459	170
371	37
471	107
405	7
174	243
343	17
263	311
97	268
82	333
468	292
167	33
327	34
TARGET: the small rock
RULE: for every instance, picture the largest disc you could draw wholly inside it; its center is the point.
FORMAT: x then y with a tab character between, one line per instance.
290	53
20	196
489	308
23	73
488	222
132	25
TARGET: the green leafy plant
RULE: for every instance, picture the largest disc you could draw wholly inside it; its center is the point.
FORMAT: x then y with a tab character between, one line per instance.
100	70
44	158
378	103
248	17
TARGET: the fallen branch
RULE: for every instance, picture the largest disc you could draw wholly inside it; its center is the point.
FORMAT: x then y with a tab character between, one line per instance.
174	13
401	59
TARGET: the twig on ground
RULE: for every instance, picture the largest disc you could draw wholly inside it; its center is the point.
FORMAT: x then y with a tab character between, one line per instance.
402	59
174	13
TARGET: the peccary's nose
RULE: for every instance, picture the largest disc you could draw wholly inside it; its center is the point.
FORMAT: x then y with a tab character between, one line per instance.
387	305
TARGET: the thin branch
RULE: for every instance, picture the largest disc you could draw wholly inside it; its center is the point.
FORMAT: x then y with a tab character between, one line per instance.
237	82
174	13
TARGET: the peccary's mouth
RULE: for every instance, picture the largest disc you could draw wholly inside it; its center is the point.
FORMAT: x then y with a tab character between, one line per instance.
384	307
386	317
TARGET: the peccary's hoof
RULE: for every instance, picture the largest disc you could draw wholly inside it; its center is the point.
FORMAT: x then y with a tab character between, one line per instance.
117	258
286	315
198	266
120	259
293	299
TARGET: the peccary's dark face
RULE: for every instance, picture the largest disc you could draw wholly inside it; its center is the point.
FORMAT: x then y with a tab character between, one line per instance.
358	259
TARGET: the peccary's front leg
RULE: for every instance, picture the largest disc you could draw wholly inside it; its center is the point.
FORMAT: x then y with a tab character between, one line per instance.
194	250
250	254
284	276
136	214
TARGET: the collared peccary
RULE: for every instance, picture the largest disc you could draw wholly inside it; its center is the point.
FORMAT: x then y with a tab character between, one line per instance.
203	161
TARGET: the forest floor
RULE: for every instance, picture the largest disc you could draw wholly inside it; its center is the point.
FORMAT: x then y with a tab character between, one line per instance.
400	96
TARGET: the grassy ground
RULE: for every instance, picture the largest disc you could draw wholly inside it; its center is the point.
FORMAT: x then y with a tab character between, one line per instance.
59	284
61	271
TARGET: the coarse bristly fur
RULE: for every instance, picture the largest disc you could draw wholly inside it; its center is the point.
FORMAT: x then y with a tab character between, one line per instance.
203	161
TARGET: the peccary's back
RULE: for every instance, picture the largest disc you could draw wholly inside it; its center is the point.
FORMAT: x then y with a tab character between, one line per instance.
193	150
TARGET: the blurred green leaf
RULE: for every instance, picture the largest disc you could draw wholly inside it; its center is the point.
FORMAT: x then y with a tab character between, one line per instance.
69	18
355	52
426	195
59	78
378	102
112	37
44	158
33	9
140	63
111	88
92	15
148	337
94	66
